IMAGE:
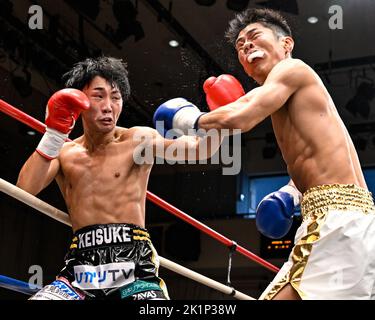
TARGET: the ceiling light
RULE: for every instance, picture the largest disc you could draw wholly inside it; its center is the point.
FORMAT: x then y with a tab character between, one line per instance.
312	20
173	43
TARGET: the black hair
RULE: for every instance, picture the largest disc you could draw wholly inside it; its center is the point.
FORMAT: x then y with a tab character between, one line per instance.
112	69
269	18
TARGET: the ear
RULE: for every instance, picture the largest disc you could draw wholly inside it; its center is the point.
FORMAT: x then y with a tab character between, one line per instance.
288	44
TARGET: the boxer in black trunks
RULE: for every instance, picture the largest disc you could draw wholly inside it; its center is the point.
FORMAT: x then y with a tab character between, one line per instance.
104	184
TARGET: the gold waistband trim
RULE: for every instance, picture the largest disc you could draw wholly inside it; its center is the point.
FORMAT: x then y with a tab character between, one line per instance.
320	199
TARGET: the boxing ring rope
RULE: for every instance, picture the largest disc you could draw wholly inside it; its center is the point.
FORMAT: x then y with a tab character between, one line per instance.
63	217
18	285
34	202
41	127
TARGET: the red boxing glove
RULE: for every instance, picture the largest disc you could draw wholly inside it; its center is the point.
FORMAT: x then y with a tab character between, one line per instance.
63	109
222	90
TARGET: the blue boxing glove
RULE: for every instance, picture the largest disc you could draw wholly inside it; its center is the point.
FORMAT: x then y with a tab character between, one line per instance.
177	114
274	214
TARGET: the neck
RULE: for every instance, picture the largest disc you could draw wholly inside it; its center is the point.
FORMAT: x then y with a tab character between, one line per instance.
262	74
95	141
260	79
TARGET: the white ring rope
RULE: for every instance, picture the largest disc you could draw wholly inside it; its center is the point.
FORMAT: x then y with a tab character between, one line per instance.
63	217
168	264
34	202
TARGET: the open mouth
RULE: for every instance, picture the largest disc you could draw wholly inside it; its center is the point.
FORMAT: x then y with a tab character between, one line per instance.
106	121
254	56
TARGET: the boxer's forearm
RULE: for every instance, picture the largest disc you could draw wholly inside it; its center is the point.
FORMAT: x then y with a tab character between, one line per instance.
249	110
188	148
207	146
292	189
238	115
37	173
218	119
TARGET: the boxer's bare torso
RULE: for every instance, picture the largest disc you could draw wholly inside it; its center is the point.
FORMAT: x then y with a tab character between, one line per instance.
313	140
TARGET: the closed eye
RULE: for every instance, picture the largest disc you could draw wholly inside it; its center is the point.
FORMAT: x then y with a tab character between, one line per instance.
239	46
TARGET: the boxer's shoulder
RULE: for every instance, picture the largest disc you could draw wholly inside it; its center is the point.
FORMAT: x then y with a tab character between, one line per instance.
142	130
290	67
137	134
291	72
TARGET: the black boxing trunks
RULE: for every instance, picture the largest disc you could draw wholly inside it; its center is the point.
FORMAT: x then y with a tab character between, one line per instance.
108	261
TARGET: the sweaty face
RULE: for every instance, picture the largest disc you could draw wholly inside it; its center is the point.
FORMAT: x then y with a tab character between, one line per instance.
259	49
105	105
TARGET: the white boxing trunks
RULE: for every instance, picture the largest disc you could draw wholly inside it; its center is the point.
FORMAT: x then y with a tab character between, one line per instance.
334	252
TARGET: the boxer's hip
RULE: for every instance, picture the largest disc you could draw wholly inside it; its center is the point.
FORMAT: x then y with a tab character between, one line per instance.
110	256
319	200
334	252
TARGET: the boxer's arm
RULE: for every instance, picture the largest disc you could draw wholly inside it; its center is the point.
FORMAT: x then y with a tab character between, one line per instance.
37	173
63	109
249	110
150	144
274	213
187	147
292	184
291	188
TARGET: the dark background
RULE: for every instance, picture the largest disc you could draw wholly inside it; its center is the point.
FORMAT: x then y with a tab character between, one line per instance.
32	62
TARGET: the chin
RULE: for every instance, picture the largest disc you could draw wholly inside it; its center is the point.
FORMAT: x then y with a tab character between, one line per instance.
106	129
253	74
260	70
